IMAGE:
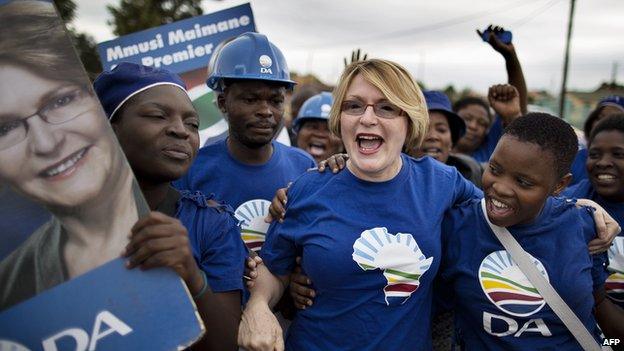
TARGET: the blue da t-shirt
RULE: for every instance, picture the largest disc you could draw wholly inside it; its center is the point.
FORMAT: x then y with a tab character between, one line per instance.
249	189
486	149
215	240
371	250
614	285
496	307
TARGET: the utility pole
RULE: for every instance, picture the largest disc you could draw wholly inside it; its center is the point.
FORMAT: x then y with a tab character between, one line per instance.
565	61
614	70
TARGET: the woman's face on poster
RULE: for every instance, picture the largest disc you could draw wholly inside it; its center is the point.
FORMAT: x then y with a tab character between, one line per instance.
54	144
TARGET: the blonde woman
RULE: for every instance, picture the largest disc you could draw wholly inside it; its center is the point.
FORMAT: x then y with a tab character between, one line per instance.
369	235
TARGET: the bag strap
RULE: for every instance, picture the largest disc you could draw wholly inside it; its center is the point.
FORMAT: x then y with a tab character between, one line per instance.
552	298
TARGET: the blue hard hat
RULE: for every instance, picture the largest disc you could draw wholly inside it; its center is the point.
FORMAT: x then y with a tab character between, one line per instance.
438	101
248	56
316	107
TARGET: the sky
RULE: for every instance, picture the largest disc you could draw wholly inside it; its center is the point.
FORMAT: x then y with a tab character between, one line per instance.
435	40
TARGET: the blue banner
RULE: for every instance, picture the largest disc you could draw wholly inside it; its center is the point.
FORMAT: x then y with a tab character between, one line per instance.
180	46
111	308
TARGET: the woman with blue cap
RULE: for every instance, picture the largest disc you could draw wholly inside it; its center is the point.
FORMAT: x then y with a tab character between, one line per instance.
607	106
445	129
312	131
157	127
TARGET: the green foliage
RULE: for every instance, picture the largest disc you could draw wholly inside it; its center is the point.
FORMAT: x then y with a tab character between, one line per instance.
67	9
85	45
128	17
87	50
134	15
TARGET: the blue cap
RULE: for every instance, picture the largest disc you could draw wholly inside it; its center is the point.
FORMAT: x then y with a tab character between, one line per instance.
613	100
248	56
438	101
316	107
116	86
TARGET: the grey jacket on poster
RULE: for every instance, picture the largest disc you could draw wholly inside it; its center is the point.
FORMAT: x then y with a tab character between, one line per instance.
37	264
34	267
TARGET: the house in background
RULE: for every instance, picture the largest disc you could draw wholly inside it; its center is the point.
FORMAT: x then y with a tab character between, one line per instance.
578	103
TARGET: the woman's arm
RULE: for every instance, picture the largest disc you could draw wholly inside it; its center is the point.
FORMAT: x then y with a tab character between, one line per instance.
259	330
277	210
505	101
515	76
158	240
607	228
463	189
221	314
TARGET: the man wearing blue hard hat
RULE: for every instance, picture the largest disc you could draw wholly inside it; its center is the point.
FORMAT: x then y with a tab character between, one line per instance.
250	76
311	129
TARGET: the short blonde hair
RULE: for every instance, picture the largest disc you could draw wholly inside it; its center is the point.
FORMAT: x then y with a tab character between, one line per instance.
397	85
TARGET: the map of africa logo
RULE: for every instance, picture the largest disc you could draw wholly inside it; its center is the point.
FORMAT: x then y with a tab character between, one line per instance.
507	287
615	282
6	345
253	228
398	256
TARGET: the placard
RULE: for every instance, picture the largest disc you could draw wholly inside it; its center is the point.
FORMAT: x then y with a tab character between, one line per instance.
69	200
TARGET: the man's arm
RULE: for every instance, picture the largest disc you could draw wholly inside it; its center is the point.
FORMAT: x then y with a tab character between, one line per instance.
259	329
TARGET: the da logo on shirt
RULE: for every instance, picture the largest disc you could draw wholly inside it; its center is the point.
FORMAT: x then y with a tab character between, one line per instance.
615	283
507	287
253	228
398	256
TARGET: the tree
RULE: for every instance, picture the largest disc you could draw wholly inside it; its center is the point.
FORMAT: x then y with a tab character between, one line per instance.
450	92
84	43
87	50
67	9
134	15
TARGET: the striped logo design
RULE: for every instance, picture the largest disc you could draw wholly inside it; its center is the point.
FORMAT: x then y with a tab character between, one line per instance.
615	282
398	256
6	345
507	287
253	228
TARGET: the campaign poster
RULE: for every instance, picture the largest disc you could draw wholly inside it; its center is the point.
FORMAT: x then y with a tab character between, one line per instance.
184	47
68	200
